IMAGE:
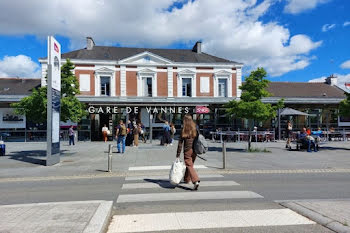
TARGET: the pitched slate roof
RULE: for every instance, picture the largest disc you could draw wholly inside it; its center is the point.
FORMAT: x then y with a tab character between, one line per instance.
119	53
304	90
18	86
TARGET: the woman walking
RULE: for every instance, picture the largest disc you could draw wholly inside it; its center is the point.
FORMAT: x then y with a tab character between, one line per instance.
104	132
188	134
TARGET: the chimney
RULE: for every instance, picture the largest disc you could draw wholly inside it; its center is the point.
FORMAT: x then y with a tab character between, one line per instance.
197	47
331	80
89	43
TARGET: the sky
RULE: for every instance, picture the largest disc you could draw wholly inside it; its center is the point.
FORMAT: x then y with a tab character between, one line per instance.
294	40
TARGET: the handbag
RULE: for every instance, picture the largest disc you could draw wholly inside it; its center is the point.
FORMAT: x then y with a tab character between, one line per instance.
177	172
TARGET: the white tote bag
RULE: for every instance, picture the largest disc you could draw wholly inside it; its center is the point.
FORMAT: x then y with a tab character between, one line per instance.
177	172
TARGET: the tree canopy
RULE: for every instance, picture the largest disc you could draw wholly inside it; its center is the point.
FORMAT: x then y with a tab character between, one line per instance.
34	107
344	107
250	105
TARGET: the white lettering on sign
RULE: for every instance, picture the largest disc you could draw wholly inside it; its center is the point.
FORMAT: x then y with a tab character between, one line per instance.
91	109
108	109
115	110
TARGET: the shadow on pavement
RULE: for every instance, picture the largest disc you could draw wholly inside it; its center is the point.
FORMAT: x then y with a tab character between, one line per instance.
166	184
228	149
31	156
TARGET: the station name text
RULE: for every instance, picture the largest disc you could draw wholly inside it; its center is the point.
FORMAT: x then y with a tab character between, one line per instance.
127	110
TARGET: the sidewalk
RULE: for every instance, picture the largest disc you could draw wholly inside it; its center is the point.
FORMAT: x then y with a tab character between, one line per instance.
333	214
56	217
90	158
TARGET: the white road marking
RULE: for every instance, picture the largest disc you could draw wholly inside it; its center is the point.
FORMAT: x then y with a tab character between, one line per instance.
166	184
180	196
165	177
205	220
144	168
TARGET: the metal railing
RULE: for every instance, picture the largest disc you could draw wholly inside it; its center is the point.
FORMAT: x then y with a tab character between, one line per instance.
238	136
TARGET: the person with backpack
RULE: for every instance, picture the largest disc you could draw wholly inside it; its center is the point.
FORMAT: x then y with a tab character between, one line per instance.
187	138
166	134
121	135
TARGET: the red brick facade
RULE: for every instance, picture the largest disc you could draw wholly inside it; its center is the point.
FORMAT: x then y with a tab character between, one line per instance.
162	82
131	83
92	81
211	84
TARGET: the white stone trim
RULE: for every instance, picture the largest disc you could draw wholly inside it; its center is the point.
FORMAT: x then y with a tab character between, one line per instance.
143	73
122	81
104	71
222	74
43	74
140	55
238	82
170	82
186	74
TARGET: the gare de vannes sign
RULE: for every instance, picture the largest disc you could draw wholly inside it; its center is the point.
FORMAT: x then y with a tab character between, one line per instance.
150	110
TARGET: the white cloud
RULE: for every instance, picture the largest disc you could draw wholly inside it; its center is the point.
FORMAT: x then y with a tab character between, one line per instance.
347	23
19	66
228	28
298	6
341	80
327	27
345	65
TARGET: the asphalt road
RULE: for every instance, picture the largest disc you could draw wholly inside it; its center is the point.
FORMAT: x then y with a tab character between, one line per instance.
271	186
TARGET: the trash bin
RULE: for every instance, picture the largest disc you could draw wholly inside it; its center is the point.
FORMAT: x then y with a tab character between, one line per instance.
2	148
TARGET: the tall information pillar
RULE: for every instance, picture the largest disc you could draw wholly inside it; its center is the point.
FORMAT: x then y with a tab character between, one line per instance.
53	102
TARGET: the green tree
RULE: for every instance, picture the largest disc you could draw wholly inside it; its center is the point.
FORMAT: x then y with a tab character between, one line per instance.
344	106
250	106
34	107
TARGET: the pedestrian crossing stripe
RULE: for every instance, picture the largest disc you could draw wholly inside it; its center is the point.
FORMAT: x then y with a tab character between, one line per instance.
164	177
181	196
166	184
147	168
205	220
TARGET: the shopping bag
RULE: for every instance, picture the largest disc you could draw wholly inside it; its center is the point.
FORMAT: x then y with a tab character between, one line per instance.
177	172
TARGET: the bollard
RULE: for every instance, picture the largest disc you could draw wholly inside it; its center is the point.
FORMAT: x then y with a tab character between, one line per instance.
224	155
110	148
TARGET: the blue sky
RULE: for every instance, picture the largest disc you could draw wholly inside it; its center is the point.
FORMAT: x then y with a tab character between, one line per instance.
295	40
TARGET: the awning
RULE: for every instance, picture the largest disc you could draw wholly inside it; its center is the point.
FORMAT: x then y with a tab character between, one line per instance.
292	112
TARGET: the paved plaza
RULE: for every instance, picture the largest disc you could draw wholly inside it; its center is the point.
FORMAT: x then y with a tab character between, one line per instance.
275	191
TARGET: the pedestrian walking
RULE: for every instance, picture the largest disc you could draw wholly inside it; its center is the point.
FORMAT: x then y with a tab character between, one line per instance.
121	135
71	135
142	132
289	134
172	133
104	132
188	135
166	134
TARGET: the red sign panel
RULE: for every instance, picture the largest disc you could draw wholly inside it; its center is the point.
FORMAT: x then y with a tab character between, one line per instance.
56	48
202	109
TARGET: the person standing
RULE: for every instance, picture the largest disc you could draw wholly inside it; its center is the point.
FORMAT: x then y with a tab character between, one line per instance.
188	135
129	137
136	132
104	132
121	135
142	132
289	133
71	135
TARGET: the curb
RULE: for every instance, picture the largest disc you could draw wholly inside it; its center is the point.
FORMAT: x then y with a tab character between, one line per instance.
99	222
320	219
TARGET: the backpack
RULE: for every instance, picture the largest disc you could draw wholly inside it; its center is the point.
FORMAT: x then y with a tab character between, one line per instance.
122	130
200	145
